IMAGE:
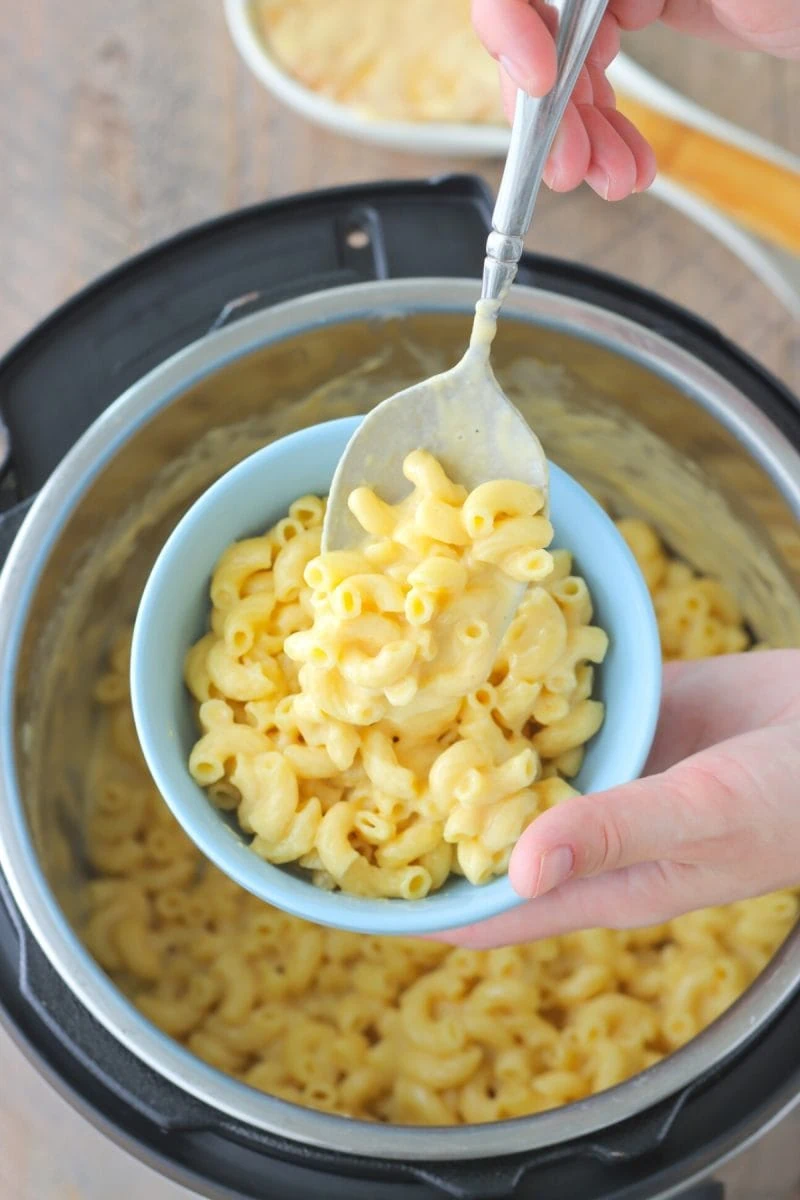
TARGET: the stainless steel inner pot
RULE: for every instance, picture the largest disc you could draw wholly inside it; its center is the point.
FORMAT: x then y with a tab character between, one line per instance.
649	429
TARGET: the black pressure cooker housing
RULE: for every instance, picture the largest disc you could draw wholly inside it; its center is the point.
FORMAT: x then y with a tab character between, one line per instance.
53	384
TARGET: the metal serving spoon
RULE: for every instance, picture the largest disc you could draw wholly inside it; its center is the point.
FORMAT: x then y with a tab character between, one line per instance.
462	416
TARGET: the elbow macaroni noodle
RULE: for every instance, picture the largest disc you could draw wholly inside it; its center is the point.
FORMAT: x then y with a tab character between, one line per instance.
355	710
697	618
396	1030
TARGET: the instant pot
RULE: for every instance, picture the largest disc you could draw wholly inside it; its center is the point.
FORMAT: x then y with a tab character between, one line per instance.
122	407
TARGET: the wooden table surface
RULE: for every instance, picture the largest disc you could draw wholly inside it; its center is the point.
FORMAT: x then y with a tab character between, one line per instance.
122	123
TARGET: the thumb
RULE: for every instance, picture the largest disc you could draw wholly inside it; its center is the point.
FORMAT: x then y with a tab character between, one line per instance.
665	816
518	36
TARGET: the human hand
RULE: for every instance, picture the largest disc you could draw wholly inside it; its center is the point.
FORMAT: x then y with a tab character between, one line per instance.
716	819
595	142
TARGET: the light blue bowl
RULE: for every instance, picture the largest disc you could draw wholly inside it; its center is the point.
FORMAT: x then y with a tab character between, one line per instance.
174	613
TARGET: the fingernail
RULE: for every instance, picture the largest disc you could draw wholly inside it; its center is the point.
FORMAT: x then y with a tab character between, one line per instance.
599	180
555	868
516	72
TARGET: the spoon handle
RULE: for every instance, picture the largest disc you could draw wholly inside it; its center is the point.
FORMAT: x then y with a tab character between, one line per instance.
536	120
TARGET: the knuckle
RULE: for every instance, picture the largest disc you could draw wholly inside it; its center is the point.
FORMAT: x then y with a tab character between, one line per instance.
711	796
603	843
710	791
646	895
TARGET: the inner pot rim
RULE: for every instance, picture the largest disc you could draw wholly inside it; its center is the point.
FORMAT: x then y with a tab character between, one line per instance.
18	861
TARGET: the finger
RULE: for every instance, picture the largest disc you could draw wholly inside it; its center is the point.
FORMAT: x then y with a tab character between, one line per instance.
637	896
602	91
605	48
707	702
593	87
583	92
706	805
740	24
508	92
606	45
591	835
705	798
515	34
638	14
570	155
700	810
643	154
771	25
686	722
736	857
612	169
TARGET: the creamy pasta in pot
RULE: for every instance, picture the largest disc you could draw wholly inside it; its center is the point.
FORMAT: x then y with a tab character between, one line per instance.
405	1031
356	711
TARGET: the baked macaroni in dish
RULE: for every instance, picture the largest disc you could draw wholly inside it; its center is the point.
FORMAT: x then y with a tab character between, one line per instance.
405	1031
431	68
355	710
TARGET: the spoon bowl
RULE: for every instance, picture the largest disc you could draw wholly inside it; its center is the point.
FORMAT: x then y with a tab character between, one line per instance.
173	614
462	417
466	421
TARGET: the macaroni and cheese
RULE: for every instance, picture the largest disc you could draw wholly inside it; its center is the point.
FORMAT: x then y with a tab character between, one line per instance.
397	1030
431	68
355	710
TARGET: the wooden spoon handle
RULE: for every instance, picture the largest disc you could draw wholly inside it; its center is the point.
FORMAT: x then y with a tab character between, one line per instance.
760	194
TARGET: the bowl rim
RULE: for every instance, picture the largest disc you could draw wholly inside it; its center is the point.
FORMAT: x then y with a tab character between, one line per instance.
453	139
19	580
450	907
474	137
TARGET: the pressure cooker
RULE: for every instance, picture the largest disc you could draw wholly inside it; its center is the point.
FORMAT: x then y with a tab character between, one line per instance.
122	406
